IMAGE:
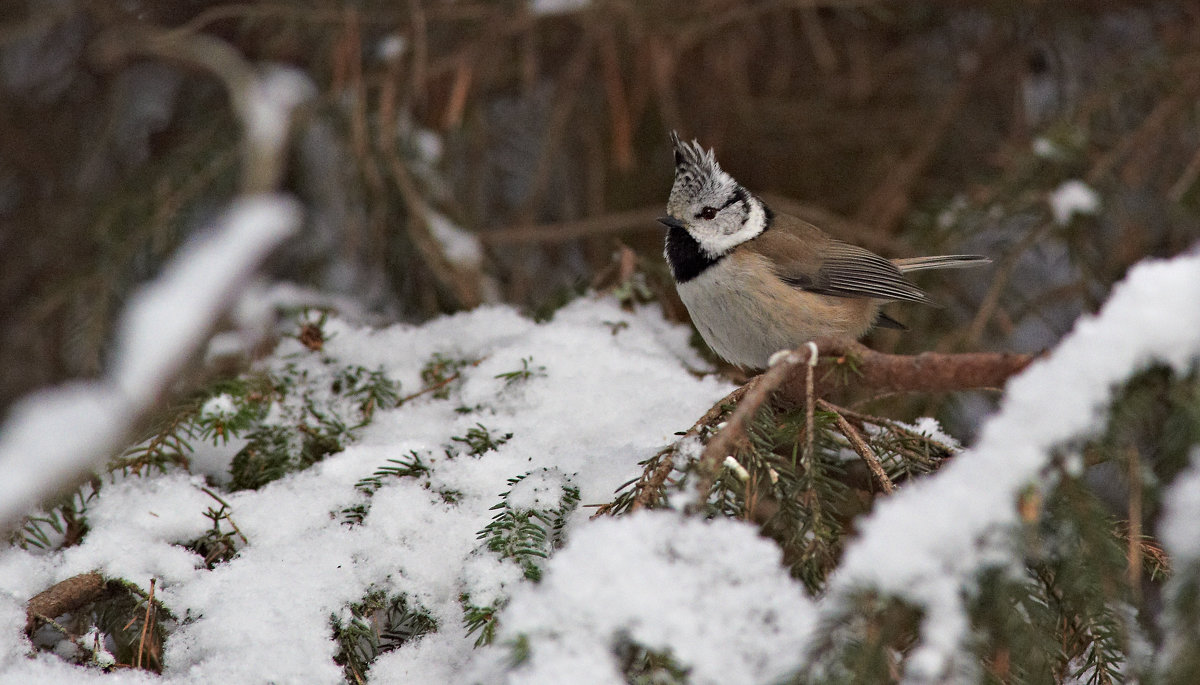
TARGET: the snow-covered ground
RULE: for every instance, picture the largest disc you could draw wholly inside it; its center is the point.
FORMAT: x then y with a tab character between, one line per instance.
607	389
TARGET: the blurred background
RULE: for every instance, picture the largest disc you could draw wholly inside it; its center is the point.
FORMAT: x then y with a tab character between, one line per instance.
465	152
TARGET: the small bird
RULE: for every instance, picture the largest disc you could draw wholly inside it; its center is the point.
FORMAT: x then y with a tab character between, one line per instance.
756	281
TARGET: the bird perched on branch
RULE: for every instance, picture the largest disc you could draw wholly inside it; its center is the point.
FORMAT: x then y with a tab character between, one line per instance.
756	281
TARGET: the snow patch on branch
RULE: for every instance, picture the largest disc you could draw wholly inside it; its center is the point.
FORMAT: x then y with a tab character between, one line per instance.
1071	198
165	320
929	539
55	435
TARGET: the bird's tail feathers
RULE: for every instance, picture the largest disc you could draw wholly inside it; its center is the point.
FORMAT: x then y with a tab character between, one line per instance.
957	261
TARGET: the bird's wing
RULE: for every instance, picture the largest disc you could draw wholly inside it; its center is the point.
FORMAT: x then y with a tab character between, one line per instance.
804	257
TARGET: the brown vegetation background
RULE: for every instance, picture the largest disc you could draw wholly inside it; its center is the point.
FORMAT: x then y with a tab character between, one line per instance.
908	127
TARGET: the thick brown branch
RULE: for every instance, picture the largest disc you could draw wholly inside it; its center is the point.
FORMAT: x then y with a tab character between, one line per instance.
845	365
873	371
64	596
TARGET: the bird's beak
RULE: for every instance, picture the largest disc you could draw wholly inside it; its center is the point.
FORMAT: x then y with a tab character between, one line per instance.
671	222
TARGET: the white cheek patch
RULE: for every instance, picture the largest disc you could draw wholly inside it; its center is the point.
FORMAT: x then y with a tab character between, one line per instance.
716	245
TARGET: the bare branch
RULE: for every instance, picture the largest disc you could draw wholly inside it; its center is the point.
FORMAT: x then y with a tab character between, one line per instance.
860	446
854	365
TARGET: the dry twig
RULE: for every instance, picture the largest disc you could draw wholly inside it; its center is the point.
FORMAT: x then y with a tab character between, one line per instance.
462	280
758	390
860	446
146	622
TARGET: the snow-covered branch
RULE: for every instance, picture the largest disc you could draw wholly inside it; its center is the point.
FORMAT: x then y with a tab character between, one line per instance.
54	436
929	539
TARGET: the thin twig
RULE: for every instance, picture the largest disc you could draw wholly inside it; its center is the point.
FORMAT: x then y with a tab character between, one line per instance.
436	386
1141	137
891	425
146	623
616	222
461	279
653	479
650	486
887	205
643	220
567	92
1186	179
818	40
860	446
62	629
1135	523
809	406
1002	274
228	517
758	390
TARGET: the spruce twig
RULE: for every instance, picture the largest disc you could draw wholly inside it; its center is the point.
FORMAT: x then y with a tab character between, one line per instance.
860	446
809	406
758	390
227	517
438	385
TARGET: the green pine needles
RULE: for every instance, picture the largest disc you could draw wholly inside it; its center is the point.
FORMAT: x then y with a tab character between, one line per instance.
1079	596
530	518
527	528
313	413
408	466
375	625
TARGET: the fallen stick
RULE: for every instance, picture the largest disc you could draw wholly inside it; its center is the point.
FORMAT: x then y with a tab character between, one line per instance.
62	597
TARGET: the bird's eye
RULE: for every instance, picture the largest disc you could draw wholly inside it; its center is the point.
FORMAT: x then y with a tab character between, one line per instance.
708	213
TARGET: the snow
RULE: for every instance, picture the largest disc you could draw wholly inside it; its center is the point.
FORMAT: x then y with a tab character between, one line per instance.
932	429
220	405
163	323
52	436
1071	198
1181	541
583	399
1178	530
391	47
737	468
925	542
593	405
1047	149
542	489
459	245
267	108
713	594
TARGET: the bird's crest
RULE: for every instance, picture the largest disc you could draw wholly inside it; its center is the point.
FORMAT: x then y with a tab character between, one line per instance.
697	174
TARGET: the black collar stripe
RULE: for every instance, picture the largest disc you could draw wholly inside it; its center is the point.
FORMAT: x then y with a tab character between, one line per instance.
684	255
